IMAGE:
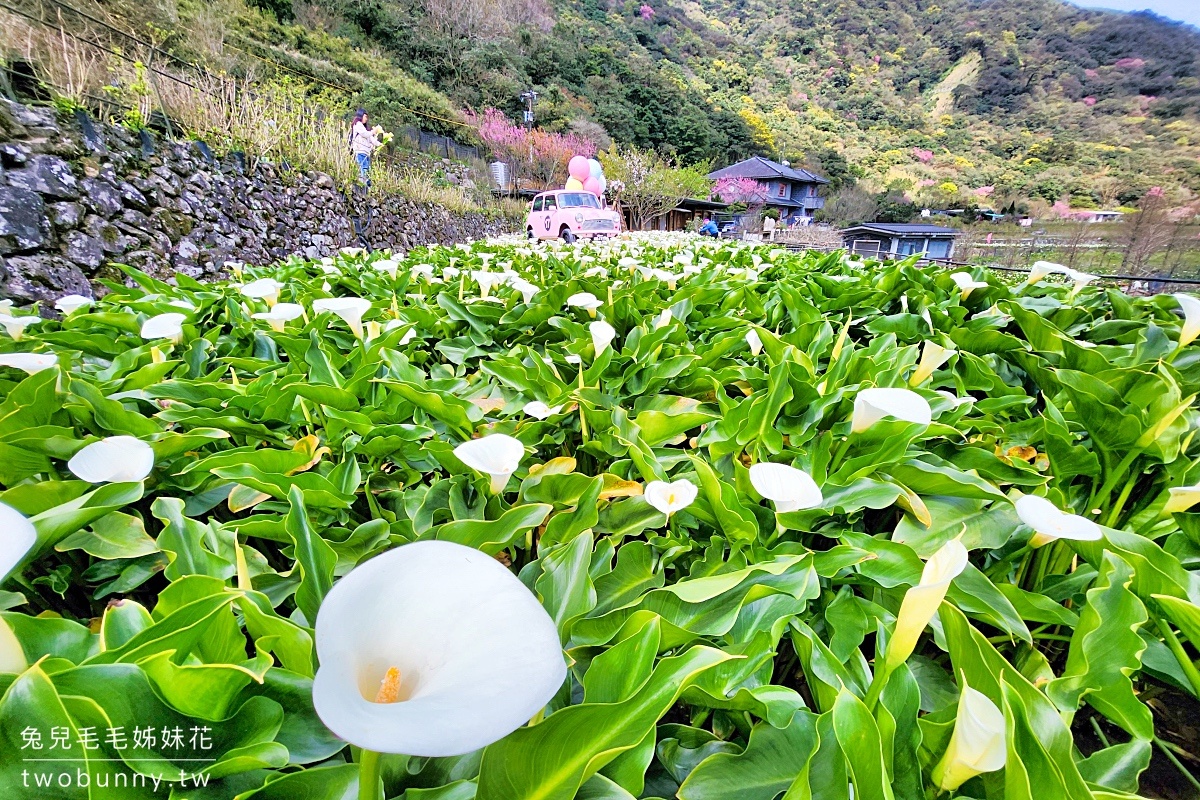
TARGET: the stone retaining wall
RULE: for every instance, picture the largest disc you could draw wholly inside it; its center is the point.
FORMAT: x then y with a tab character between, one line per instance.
75	198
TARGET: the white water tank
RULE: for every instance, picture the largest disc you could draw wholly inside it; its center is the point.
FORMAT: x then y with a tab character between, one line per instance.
499	174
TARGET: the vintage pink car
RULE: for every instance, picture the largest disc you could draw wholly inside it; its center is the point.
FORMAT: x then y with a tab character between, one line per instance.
569	215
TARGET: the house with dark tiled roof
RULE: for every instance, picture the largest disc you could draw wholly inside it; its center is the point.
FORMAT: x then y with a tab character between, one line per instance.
794	191
890	240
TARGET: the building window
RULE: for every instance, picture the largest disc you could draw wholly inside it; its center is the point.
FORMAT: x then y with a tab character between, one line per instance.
783	187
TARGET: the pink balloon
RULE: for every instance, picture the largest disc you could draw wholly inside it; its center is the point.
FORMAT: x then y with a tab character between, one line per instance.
579	168
592	185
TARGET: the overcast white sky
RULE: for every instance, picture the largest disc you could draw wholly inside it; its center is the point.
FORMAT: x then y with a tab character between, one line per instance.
1183	10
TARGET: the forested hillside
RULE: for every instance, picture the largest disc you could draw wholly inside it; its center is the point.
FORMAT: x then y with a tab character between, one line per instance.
992	102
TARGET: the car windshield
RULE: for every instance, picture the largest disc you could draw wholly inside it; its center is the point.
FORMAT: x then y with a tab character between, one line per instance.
578	200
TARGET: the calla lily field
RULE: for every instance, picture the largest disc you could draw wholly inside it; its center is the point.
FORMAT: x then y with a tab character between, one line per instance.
657	517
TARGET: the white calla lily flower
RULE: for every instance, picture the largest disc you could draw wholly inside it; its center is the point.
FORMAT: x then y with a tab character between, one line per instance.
72	303
265	289
15	326
387	265
1044	269
670	497
117	459
280	314
978	743
29	362
539	410
966	283
872	405
164	326
17	538
921	602
528	290
433	649
1050	524
602	335
486	281
497	456
1182	498
585	300
1190	306
933	356
755	341
1081	279
790	489
350	309
664	319
955	399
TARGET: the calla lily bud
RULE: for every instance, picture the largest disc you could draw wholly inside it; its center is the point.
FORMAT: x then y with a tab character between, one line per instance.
1191	318
117	459
1049	523
496	456
921	602
978	743
933	356
872	405
350	309
790	489
433	649
670	497
602	335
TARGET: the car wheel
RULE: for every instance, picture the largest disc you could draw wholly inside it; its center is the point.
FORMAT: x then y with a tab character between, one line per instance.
568	235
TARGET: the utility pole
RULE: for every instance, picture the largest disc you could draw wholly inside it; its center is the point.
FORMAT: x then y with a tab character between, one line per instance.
530	97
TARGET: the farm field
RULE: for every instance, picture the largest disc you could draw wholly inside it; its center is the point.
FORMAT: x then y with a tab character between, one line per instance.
661	517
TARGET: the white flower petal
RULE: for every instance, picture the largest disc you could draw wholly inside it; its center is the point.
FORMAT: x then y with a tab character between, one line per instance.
602	335
17	538
262	289
72	302
350	309
585	300
477	655
977	744
790	489
1191	318
117	459
872	405
164	326
496	456
29	362
1049	523
539	410
670	497
921	602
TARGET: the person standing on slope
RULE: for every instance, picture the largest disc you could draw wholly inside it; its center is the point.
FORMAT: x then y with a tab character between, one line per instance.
364	142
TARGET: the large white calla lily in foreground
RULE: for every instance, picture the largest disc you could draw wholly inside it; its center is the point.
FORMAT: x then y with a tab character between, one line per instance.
350	309
921	602
117	459
29	362
790	489
1190	306
933	356
433	649
496	456
602	335
164	326
670	497
872	405
977	744
1049	523
755	341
